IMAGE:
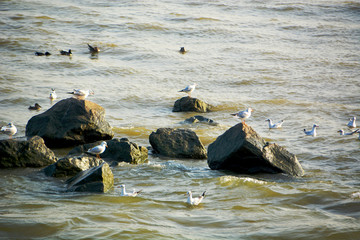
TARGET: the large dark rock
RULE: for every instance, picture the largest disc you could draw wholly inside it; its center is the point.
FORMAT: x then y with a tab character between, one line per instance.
70	122
189	104
96	179
71	165
241	149
178	143
120	150
25	153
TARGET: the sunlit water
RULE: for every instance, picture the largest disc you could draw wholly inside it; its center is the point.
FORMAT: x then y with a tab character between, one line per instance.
296	61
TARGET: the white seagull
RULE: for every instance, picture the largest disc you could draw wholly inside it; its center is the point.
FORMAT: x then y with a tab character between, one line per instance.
274	125
350	133
189	89
99	149
125	194
9	129
352	123
312	132
81	94
194	201
243	115
53	94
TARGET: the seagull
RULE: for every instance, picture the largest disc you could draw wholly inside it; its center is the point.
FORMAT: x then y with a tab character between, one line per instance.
81	94
352	123
35	107
53	94
275	125
182	50
93	50
69	53
125	194
99	149
194	201
243	115
9	129
350	133
312	132
189	89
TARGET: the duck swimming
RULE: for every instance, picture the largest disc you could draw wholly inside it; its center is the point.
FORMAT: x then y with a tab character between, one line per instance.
182	50
69	53
42	54
35	107
93	50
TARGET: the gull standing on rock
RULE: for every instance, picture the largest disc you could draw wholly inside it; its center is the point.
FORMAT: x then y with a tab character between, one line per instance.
189	89
312	132
81	94
9	129
99	149
352	123
274	125
194	201
125	194
350	133
243	115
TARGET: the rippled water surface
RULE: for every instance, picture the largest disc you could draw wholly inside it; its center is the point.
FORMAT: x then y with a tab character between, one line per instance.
296	61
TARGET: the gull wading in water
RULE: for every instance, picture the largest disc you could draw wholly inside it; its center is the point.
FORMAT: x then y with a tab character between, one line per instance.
350	133
194	201
99	149
351	123
125	194
9	129
274	125
81	94
53	94
189	89
243	115
312	132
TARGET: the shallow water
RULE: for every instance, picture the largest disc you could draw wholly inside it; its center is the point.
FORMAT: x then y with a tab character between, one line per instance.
293	61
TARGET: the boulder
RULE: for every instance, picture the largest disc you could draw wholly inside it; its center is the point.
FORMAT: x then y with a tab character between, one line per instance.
70	122
25	153
200	119
241	149
71	165
178	143
96	179
189	104
120	150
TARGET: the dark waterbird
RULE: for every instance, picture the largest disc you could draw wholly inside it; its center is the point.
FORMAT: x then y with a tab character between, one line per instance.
35	107
69	53
42	54
93	50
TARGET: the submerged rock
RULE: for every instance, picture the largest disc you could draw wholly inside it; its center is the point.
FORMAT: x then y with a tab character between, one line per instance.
25	153
201	119
178	143
189	104
71	165
120	150
241	149
70	122
96	179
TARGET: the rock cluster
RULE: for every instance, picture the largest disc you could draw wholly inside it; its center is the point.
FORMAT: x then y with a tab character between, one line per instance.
70	122
241	149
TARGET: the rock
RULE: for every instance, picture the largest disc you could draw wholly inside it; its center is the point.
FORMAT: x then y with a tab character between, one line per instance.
96	179
188	104
71	165
120	150
241	149
178	143
201	119
70	122
25	153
